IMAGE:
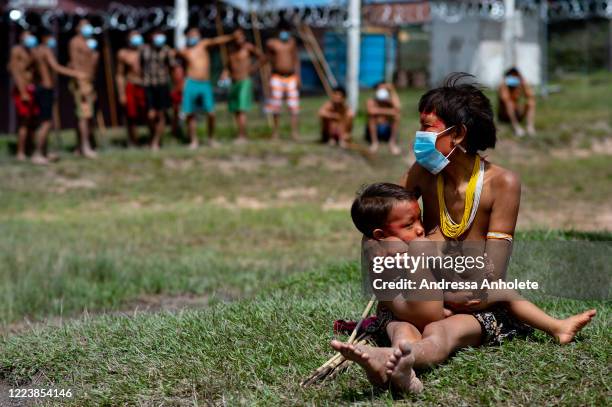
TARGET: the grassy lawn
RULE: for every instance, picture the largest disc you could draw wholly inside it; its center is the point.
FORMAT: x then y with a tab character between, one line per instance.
243	255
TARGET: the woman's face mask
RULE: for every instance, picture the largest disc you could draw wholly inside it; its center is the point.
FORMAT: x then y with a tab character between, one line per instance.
426	153
51	43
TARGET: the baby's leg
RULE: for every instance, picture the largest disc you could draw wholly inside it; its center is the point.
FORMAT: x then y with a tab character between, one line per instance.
563	330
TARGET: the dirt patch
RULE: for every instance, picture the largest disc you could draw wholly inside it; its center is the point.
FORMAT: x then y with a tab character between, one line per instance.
292	193
65	184
178	165
341	204
242	202
579	216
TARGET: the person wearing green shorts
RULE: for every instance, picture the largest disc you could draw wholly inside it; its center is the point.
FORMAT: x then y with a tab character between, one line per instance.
241	96
241	67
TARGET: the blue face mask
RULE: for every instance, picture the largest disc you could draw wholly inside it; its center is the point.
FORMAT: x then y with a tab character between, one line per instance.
513	81
192	41
87	30
426	153
30	41
284	36
92	43
159	40
136	40
51	43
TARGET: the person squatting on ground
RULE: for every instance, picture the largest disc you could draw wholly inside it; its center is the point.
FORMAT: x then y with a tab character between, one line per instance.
84	58
284	81
336	119
454	183
511	109
129	84
384	111
197	89
241	67
157	60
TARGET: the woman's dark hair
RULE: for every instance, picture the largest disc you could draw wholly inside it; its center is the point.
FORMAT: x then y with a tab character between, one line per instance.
463	104
512	71
371	208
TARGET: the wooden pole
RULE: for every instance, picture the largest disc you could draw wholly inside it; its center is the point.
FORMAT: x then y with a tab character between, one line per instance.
110	85
315	63
319	52
219	26
264	71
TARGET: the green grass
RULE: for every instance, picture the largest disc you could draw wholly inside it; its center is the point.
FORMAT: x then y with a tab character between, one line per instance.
255	242
256	352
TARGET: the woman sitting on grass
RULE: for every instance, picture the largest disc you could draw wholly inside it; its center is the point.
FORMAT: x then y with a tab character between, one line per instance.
455	183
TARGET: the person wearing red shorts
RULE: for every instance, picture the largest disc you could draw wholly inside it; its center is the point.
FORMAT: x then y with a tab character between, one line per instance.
129	84
21	66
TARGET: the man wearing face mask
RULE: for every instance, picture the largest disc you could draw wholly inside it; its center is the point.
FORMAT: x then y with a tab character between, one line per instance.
510	107
46	68
285	79
197	90
129	83
384	111
156	61
84	58
21	66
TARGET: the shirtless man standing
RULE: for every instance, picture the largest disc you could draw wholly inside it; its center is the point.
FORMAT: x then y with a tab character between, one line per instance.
512	88
197	90
21	67
285	79
46	68
241	67
84	58
129	83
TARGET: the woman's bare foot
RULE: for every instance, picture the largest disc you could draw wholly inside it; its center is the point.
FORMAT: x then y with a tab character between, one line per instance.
399	369
395	150
372	360
194	145
569	327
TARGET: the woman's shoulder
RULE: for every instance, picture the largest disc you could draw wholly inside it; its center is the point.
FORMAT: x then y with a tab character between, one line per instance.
502	179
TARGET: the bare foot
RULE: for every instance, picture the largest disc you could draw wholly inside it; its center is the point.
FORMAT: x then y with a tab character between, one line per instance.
194	145
531	131
569	327
399	369
395	150
372	360
241	140
374	147
89	153
39	159
21	157
518	131
154	147
213	143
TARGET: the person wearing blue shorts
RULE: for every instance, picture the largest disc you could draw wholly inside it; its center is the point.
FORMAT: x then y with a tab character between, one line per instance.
197	91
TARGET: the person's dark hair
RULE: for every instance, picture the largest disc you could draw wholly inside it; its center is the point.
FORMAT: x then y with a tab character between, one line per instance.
373	204
340	89
512	71
192	27
378	84
43	32
458	104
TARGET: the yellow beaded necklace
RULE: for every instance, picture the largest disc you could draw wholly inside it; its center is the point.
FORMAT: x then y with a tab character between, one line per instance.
449	228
